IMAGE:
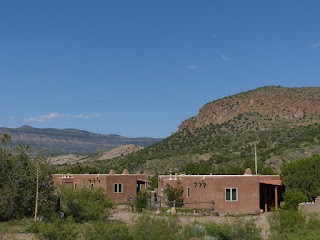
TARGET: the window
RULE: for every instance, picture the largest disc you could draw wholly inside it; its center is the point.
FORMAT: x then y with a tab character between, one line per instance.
75	186
231	194
118	188
188	192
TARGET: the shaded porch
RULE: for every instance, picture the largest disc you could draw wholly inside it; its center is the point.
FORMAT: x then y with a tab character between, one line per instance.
271	192
142	184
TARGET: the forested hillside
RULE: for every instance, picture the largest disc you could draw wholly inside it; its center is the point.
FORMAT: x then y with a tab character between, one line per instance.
282	122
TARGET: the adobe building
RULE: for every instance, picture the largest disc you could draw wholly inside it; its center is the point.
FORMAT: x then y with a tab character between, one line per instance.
119	187
227	194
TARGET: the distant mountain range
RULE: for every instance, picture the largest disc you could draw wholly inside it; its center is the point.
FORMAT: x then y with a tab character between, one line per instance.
52	141
283	122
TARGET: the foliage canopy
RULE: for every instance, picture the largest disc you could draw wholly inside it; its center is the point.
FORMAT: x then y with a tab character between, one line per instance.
85	204
303	175
18	182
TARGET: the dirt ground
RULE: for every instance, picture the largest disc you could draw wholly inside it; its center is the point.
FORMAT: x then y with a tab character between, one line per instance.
261	221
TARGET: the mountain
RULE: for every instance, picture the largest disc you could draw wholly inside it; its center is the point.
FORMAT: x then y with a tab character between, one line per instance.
283	122
120	151
52	141
295	105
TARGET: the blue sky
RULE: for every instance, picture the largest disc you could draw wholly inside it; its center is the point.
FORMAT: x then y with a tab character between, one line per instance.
139	68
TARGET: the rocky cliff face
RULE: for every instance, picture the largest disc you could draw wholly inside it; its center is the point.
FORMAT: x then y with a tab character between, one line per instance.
274	102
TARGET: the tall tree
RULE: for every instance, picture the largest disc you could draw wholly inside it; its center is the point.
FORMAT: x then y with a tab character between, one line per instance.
18	181
303	175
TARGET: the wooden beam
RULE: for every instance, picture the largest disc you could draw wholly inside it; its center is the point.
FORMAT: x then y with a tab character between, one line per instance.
276	198
265	200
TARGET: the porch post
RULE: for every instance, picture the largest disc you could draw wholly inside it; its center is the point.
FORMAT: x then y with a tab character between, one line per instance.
265	200
276	197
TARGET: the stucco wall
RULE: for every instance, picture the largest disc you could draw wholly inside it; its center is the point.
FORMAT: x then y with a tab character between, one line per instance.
104	181
205	189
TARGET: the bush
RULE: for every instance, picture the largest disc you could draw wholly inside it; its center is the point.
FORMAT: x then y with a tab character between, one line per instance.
156	228
219	231
293	225
111	230
141	200
59	229
292	197
240	229
174	194
85	204
194	231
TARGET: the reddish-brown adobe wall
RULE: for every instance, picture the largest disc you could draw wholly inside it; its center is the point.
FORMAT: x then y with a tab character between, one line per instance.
126	184
209	191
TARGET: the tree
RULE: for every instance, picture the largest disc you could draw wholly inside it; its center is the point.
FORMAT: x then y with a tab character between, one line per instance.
303	175
174	194
85	204
292	197
141	200
18	182
201	167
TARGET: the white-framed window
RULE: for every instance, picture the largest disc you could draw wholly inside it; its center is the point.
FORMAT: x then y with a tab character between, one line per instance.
188	192
231	194
75	186
118	188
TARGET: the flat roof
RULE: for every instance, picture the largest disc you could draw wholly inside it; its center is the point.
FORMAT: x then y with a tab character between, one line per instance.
272	182
220	175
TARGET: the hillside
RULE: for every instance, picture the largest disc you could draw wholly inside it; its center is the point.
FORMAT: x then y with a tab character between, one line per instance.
120	151
297	105
70	141
283	122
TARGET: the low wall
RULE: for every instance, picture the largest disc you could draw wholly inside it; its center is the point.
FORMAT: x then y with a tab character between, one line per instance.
310	207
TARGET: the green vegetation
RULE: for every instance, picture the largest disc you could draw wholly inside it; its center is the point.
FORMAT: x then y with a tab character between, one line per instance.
18	185
110	230
240	229
228	149
78	169
292	197
220	148
280	121
150	227
145	227
85	204
294	225
174	194
303	175
141	200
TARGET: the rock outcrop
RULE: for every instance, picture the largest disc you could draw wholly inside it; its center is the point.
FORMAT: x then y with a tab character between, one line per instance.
274	102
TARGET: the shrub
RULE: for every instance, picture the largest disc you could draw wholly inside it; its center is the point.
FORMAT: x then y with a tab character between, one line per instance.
194	231
293	225
141	200
110	230
156	228
59	229
292	197
85	204
174	194
240	229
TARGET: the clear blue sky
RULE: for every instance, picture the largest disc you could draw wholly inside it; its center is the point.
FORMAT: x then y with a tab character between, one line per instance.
139	68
